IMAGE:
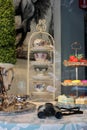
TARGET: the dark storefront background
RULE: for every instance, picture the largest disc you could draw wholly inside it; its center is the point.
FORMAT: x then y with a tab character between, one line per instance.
73	30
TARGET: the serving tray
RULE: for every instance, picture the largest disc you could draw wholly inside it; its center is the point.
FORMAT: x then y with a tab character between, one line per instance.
41	48
11	109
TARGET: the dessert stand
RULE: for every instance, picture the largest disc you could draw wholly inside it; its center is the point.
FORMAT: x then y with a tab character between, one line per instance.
76	46
41	46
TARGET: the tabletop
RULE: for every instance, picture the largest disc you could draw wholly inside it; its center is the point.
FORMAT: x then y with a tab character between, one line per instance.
30	121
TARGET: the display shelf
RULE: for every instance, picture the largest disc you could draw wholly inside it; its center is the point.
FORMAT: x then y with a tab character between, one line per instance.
41	47
41	77
77	84
46	80
42	96
41	93
41	63
74	64
77	64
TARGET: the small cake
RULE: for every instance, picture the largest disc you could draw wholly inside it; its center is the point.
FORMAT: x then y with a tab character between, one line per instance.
81	100
65	100
67	82
84	82
76	82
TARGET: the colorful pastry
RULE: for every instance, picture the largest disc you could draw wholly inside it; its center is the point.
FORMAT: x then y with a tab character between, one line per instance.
84	82
76	82
67	82
65	100
81	100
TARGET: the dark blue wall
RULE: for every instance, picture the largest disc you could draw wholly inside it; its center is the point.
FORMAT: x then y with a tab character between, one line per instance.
72	29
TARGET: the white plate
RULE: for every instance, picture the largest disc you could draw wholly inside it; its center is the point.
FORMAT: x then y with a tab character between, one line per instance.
41	63
41	77
41	48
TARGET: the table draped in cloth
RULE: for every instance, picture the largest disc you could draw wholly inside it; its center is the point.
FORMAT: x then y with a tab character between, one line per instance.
30	121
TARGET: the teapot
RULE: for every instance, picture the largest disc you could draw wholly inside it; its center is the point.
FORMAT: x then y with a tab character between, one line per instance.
6	77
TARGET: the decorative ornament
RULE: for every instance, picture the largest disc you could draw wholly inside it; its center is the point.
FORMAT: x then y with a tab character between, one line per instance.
41	26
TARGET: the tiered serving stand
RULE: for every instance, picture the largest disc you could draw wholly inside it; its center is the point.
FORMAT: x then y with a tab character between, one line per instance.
41	65
75	46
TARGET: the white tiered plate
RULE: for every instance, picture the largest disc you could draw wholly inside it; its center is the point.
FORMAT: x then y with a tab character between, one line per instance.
82	106
42	48
65	105
41	63
68	63
41	77
74	84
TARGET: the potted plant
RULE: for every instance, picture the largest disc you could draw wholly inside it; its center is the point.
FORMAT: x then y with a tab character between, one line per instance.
7	35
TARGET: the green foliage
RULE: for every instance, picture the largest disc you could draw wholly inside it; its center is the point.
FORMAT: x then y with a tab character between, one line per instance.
7	32
7	55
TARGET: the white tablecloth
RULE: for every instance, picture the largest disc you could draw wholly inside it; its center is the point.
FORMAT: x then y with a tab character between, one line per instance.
30	121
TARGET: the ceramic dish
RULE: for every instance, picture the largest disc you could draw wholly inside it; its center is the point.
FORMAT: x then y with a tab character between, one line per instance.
41	77
40	56
39	87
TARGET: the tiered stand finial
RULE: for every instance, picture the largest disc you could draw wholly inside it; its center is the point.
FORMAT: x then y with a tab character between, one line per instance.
41	26
76	46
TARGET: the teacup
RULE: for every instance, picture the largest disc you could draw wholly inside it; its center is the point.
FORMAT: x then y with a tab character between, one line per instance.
39	87
40	56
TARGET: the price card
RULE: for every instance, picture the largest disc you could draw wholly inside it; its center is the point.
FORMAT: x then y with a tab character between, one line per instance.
51	89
